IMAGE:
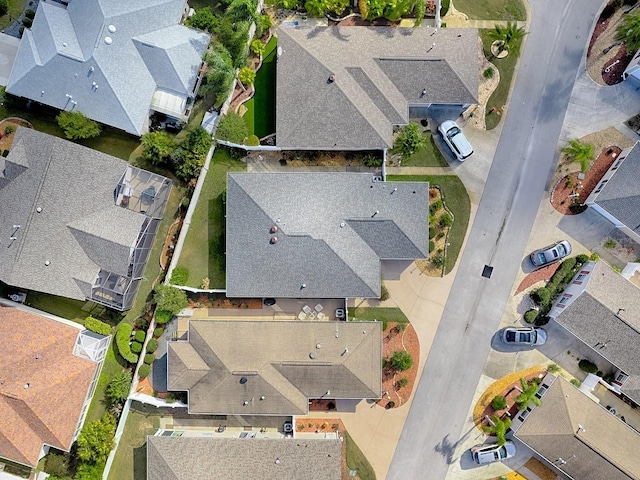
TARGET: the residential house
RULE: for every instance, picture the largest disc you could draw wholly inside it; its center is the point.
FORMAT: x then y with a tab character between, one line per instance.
274	368
617	196
602	309
345	88
113	61
319	235
75	222
186	458
577	436
50	368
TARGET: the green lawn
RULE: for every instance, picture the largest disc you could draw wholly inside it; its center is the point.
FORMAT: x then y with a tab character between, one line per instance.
261	109
429	156
506	66
15	10
60	306
357	461
110	367
381	314
492	9
457	200
203	249
130	462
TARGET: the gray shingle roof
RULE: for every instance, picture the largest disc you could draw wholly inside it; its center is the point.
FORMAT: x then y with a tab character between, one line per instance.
379	72
328	237
274	358
606	447
65	53
79	229
620	196
595	318
187	458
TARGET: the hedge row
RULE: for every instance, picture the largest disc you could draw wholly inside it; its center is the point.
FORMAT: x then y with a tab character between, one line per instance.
123	334
95	325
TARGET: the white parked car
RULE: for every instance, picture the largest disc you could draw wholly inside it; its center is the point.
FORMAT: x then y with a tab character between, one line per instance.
493	453
524	336
456	140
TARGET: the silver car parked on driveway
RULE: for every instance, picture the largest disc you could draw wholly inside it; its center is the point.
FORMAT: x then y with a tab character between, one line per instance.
524	336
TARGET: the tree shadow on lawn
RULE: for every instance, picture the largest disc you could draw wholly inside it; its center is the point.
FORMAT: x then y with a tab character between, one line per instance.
140	462
216	241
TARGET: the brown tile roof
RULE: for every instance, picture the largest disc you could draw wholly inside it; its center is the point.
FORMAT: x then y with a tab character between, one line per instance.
605	447
42	384
273	368
182	458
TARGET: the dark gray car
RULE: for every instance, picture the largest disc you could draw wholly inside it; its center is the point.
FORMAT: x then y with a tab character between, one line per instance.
551	253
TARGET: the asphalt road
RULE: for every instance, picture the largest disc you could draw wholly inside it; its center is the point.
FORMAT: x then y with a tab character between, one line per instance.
524	160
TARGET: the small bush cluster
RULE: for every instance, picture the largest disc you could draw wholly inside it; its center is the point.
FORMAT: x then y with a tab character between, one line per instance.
180	276
401	361
123	335
403	382
9	129
499	402
488	73
587	366
432	232
149	358
152	345
136	347
158	331
139	336
432	246
446	220
144	371
95	325
435	207
531	315
163	316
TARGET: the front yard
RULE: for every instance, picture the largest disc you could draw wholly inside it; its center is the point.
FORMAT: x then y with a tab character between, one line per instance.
203	250
429	156
492	9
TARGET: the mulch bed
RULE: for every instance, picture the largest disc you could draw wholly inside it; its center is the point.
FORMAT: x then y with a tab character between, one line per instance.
544	273
616	66
560	195
601	26
393	339
6	139
510	393
203	301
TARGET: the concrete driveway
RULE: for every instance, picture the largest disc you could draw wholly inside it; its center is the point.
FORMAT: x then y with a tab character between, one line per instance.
8	51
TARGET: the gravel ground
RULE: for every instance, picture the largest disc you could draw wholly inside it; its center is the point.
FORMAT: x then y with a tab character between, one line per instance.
596	60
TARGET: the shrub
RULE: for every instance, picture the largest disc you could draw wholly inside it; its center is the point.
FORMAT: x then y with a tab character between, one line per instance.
180	276
616	268
432	232
403	382
446	220
27	22
247	76
431	245
95	325
257	47
384	293
29	13
541	296
587	366
499	402
159	330
56	464
144	371
123	334
163	316
139	336
88	471
77	126
594	257
401	360
582	259
119	386
265	22
9	129
409	141
232	128
136	347
372	160
488	73
391	404
542	320
96	439
152	345
575	382
531	315
252	141
610	243
553	368
149	358
170	298
435	206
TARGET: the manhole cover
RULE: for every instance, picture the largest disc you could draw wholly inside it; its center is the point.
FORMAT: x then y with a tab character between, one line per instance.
487	271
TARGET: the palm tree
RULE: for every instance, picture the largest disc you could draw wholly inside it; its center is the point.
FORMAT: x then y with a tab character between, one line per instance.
508	37
498	427
528	395
629	32
579	152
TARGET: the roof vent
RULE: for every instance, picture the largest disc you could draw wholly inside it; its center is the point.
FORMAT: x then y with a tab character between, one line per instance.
47	263
277	462
112	28
342	224
313	355
91	69
246	402
243	380
331	79
64	44
273	240
26	385
39	209
318	345
108	40
274	229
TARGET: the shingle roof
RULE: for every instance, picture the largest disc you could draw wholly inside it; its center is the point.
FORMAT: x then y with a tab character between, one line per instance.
329	237
275	361
605	447
79	229
186	458
609	312
620	196
378	73
39	352
65	53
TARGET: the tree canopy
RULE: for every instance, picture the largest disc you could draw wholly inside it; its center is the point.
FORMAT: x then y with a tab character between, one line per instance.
629	32
232	128
499	428
157	146
77	126
409	140
579	152
220	75
170	299
118	387
96	439
528	394
509	36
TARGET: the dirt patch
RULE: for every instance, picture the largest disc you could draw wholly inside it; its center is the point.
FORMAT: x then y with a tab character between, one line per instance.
544	273
571	190
395	339
6	139
540	469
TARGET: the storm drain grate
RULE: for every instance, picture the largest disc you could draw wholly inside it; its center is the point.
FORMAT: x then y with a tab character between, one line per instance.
487	271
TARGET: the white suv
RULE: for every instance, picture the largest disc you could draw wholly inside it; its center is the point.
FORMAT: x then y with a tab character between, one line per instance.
493	453
456	140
